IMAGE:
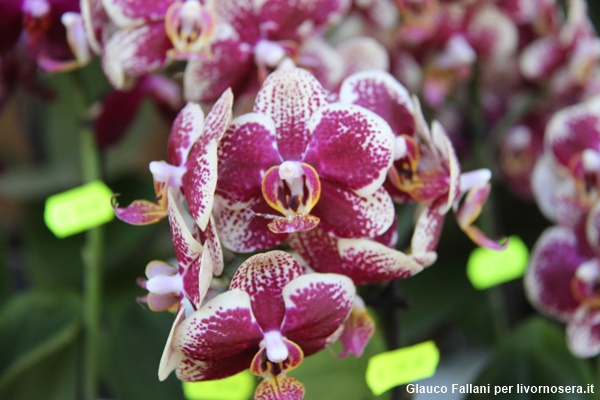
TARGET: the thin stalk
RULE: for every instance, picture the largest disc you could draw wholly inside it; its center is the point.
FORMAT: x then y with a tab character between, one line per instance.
92	277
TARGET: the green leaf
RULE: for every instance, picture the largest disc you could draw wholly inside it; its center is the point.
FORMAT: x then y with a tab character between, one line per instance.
134	343
536	354
39	332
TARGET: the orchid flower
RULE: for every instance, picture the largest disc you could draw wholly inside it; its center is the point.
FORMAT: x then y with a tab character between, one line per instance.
264	34
562	282
52	32
183	288
294	155
152	33
569	172
425	169
271	317
191	159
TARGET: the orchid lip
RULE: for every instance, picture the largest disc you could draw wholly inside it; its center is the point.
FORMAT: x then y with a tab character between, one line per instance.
277	351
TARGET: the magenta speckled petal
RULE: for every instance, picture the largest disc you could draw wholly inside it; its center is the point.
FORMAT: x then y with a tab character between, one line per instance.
358	329
583	332
263	277
171	358
247	150
427	232
132	53
319	250
345	214
201	335
187	248
573	130
367	261
130	13
140	212
213	244
186	129
243	227
200	180
541	57
381	93
316	307
344	136
290	98
552	265
227	66
193	371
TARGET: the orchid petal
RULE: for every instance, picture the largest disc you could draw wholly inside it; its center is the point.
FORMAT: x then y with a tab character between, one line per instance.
243	227
263	277
316	306
241	15
288	18
246	151
541	57
170	357
367	261
344	135
583	332
468	212
229	62
427	234
140	212
573	130
200	180
200	336
219	117
130	13
379	92
493	34
442	142
552	266
187	248
213	244
187	128
194	370
358	329
363	54
290	98
322	60
135	52
345	214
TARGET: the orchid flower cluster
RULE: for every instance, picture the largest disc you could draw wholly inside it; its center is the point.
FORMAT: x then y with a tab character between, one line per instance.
314	174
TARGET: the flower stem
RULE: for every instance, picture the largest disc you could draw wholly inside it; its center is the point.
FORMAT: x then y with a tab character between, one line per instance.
92	284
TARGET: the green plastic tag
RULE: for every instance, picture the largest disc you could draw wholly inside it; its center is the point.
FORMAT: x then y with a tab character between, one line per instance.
397	367
78	209
237	387
487	268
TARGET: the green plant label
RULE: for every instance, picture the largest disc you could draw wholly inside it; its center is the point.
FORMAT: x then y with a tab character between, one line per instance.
487	268
78	209
397	367
237	387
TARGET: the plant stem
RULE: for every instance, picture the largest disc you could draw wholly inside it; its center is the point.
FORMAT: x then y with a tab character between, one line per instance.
92	285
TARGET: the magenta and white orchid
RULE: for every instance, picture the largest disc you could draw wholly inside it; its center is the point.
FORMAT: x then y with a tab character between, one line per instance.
192	152
271	317
289	167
